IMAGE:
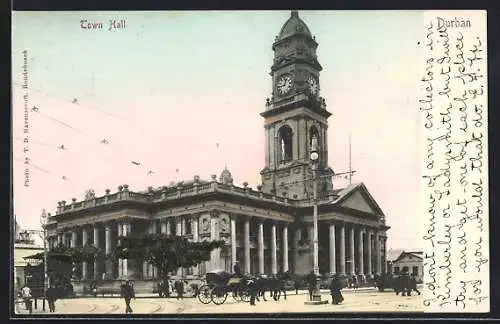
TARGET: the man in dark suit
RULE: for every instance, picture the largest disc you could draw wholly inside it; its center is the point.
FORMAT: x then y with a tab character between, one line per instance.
128	293
237	270
179	288
51	295
413	284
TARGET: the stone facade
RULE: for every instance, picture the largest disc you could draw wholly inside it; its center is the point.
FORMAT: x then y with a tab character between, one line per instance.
266	230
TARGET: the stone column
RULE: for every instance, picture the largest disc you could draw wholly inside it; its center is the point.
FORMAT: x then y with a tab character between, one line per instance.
332	249
178	227
169	229
120	261
107	249
146	267
378	266
85	239
261	247
361	256
369	252
96	244
285	248
351	250
126	231
233	241
163	227
214	235
296	238
342	249
60	239
151	268
194	230
247	246
178	232
274	264
73	239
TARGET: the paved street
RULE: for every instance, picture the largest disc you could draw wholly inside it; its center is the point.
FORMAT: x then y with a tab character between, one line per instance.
355	301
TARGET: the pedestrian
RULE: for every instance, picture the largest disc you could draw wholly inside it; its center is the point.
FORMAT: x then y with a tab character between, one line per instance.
26	294
354	282
335	290
296	284
311	284
413	284
179	287
94	289
252	287
237	270
51	296
127	291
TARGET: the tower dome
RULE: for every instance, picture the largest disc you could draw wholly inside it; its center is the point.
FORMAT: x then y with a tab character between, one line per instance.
293	26
226	177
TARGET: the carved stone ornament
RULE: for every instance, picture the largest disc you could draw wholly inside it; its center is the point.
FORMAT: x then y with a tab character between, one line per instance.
205	224
224	223
90	194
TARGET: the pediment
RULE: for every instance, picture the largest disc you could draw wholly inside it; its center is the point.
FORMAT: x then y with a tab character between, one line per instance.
358	202
358	198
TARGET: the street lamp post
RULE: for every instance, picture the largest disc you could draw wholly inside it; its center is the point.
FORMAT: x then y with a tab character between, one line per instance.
316	295
43	222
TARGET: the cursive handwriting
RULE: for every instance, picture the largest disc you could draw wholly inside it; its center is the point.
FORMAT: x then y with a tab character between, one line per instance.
454	167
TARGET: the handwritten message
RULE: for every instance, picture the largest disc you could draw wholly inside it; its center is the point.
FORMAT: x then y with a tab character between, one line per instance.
454	162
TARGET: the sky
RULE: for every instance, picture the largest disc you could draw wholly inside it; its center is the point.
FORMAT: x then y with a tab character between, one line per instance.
164	90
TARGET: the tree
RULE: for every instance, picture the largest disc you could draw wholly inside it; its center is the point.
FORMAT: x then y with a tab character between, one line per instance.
75	254
166	252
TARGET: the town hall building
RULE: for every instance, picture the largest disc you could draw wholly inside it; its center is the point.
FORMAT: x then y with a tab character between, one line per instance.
266	229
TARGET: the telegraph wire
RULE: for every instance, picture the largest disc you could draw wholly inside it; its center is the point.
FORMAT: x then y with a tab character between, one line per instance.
33	165
102	140
75	102
72	101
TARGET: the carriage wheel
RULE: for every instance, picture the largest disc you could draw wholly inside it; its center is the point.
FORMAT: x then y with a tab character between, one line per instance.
245	296
219	296
205	294
236	295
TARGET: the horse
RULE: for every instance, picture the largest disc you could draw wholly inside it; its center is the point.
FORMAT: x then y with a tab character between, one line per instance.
403	285
273	284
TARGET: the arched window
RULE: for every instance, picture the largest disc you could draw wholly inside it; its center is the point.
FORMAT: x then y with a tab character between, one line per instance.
285	152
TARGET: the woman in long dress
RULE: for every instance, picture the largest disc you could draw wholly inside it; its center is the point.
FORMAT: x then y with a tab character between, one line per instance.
335	290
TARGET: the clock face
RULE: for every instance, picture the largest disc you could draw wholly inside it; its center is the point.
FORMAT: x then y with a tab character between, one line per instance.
284	84
313	85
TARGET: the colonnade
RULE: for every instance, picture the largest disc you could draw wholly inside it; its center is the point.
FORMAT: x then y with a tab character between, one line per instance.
352	248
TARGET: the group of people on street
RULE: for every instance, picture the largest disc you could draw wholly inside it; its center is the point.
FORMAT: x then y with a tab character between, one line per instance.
51	295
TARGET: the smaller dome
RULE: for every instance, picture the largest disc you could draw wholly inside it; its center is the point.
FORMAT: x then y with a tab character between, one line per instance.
226	177
294	25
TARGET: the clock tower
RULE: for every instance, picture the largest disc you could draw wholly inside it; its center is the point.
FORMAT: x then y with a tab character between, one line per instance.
295	117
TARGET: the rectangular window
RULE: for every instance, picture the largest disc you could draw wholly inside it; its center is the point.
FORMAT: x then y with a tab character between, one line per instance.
415	271
396	270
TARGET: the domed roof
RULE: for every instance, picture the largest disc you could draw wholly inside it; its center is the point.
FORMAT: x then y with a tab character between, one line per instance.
294	25
226	177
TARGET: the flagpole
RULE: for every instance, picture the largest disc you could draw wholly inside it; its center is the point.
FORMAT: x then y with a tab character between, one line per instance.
350	166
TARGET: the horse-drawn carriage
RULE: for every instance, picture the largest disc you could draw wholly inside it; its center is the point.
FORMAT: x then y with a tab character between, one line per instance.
219	284
397	283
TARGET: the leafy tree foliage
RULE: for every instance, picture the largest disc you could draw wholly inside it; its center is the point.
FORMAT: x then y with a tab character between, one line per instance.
75	254
166	252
